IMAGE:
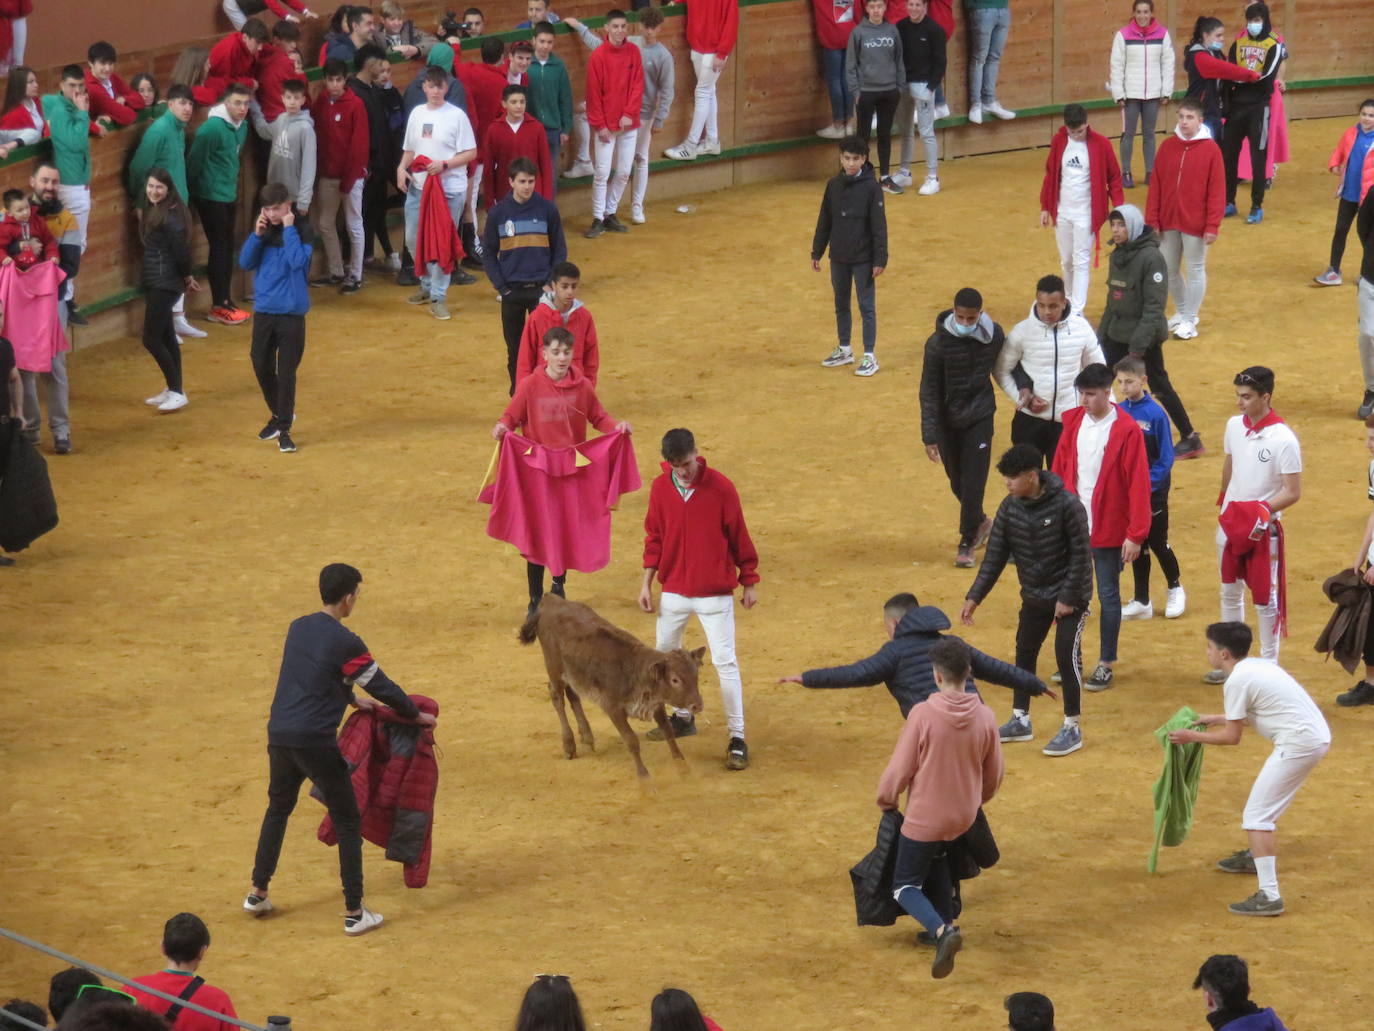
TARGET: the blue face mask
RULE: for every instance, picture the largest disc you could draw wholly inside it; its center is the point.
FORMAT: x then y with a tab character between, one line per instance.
961	330
1215	45
1256	28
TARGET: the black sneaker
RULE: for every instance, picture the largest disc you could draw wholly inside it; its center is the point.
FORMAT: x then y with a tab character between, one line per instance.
327	281
683	726
1100	680
5	560
1189	447
351	286
407	277
1366	408
1361	694
558	588
461	278
925	939
472	261
1127	181
597	228
284	443
74	316
737	754
270	432
614	225
946	946
62	445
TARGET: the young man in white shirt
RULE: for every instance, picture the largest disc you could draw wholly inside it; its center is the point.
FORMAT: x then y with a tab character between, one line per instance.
442	133
1263	464
1269	699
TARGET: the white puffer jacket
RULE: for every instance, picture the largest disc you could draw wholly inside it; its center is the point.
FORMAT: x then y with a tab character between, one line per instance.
1142	63
1052	356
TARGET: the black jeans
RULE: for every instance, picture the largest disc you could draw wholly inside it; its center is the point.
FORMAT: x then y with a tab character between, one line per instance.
374	213
516	305
1247	122
289	768
842	274
278	346
1032	627
159	337
1157	542
1160	386
885	106
1039	433
966	454
217	219
1346	211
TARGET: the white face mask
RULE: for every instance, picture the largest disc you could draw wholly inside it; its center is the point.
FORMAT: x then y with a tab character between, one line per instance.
1256	28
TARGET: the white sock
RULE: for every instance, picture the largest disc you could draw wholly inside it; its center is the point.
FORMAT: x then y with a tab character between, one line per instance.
1020	714
1266	870
1070	721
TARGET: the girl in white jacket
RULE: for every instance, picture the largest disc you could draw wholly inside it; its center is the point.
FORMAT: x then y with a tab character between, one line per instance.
1142	79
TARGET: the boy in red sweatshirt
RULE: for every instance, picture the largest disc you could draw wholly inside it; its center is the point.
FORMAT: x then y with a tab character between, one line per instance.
559	308
615	94
235	57
696	542
948	760
1101	458
712	30
110	96
275	67
342	133
24	240
483	84
516	135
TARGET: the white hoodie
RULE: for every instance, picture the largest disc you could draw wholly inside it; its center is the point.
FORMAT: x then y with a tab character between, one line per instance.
1052	356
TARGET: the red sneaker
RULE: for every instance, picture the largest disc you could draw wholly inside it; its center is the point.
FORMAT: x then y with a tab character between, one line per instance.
228	316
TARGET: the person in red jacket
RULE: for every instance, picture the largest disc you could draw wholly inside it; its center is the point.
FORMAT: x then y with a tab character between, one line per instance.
1186	203
185	940
483	84
615	94
275	66
712	31
698	546
1082	184
24	240
834	22
235	57
517	135
1101	458
110	96
559	308
342	133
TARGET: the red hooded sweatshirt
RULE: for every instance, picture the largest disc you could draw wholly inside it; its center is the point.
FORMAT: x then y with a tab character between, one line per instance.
699	545
36	228
230	61
615	86
483	84
831	31
342	135
274	67
555	413
713	26
1121	498
942	11
578	321
1187	186
110	107
501	146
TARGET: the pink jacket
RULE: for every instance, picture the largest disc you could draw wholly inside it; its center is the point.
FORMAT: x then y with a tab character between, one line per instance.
1341	154
29	301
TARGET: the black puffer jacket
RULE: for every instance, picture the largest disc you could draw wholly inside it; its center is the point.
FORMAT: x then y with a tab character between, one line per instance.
167	255
1049	537
956	377
904	664
852	221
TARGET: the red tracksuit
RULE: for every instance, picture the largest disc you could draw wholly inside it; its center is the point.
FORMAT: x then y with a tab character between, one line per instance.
104	104
501	146
700	547
341	133
615	86
273	68
713	26
586	359
1187	186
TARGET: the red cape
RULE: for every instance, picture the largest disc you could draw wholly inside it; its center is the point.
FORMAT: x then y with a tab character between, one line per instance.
436	237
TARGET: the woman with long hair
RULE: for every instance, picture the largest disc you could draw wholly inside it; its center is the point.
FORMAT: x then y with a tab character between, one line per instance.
1205	60
675	1010
146	87
1142	80
193	64
165	229
550	1004
21	119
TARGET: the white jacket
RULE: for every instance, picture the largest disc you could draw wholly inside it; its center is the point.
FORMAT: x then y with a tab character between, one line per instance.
1052	356
1142	63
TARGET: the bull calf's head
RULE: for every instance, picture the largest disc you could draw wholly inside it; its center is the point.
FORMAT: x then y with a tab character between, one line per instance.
676	677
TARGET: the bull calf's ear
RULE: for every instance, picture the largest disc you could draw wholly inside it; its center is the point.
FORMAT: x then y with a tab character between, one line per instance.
697	655
659	670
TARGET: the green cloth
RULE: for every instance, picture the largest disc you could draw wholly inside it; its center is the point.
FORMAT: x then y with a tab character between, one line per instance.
551	99
70	128
1176	789
213	164
985	5
441	56
163	146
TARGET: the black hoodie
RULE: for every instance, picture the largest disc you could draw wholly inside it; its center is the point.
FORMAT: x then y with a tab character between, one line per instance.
852	221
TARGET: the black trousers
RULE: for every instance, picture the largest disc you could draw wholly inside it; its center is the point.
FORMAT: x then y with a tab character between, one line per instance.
288	769
159	338
374	213
1032	627
1247	122
1158	543
1160	386
1041	433
885	106
278	346
1346	211
217	219
535	574
966	454
516	305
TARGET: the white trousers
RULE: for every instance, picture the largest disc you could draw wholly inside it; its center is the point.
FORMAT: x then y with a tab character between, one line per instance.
717	616
20	28
475	193
235	16
329	196
581	136
1186	258
643	141
77	200
1075	239
1233	604
1276	786
704	107
619	154
1366	303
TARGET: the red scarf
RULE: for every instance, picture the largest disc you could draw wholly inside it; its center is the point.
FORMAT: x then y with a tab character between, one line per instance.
1272	419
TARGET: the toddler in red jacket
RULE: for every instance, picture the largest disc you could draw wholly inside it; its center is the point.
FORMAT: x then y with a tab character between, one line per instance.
25	240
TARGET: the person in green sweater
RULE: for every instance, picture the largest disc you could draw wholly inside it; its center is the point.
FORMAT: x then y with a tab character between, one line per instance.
213	174
550	95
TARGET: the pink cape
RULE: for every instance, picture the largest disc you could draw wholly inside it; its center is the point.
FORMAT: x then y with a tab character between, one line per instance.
29	301
1278	137
553	505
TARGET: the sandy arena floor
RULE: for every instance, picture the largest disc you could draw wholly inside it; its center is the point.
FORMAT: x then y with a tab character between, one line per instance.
142	639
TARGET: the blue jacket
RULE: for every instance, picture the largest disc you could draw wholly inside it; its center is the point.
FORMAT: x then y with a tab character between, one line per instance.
521	243
904	664
1254	1019
282	263
1159	443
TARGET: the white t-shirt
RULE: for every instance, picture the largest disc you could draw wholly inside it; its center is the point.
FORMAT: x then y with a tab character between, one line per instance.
1264	695
1075	187
439	133
1259	460
1092	445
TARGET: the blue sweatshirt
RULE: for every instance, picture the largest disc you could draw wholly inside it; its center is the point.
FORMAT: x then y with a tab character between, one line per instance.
282	263
522	242
1159	442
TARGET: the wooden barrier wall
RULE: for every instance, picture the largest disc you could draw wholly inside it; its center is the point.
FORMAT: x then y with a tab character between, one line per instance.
771	99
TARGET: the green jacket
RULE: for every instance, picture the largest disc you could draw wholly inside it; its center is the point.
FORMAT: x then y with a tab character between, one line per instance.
70	128
212	167
984	5
1137	291
163	146
1175	791
551	94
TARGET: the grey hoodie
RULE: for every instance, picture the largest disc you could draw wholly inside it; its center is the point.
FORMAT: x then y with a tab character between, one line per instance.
873	60
292	161
1131	215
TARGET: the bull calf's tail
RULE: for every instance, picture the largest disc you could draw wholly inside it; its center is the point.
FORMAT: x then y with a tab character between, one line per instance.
530	630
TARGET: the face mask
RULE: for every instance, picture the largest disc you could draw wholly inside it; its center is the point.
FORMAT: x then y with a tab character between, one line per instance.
961	330
1215	45
1256	28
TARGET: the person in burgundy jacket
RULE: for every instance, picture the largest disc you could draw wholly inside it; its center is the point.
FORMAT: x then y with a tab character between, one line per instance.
698	546
235	57
516	135
615	95
110	95
341	130
712	31
1101	458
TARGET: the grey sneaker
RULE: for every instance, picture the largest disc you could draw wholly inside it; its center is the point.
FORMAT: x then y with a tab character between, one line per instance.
868	365
1238	862
418	297
1361	694
1328	278
1100	680
440	311
946	946
1366	406
1018	728
1069	739
683	726
839	356
1214	676
1258	904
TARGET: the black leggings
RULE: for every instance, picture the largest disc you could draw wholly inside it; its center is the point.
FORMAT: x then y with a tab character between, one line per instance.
1248	122
1032	627
159	337
535	573
885	104
1157	542
374	214
1160	387
1346	211
965	454
217	219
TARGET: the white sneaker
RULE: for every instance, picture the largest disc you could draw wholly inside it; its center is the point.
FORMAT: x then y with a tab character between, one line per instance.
839	356
941	111
1001	112
831	132
185	329
975	114
1174	320
157	399
356	925
393	261
931	185
257	905
579	170
637	215
709	146
902	177
1138	610
1178	603
1186	330
174	402
868	365
684	151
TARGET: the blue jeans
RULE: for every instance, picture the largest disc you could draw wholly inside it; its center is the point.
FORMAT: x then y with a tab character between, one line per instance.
1107	569
841	100
861	275
987	33
434	281
554	147
921	882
